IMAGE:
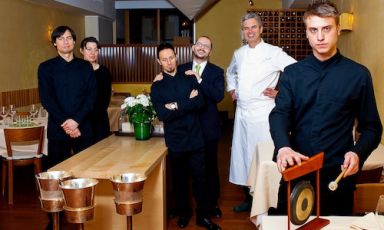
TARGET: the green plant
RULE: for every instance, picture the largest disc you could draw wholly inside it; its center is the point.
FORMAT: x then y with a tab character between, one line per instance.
139	109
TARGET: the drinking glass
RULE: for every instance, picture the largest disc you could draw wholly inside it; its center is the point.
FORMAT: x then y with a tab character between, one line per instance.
3	113
12	111
42	112
380	206
33	111
379	212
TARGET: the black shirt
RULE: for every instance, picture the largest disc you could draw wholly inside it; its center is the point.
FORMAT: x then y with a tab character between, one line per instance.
100	120
182	130
67	90
316	107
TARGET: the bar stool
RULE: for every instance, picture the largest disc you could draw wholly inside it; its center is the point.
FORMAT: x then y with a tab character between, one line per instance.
51	197
128	188
79	200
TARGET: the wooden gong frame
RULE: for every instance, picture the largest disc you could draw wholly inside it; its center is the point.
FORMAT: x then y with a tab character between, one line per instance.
314	163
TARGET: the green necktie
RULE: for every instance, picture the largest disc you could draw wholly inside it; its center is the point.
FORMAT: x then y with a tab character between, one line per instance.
197	67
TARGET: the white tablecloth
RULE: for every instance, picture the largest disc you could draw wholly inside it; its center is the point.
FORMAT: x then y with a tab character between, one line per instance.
264	177
281	222
24	148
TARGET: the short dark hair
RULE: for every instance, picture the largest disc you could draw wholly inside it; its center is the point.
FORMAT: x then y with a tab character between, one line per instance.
60	30
322	8
89	39
164	46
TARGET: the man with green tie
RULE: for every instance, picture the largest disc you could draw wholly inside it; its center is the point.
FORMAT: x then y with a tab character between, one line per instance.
211	81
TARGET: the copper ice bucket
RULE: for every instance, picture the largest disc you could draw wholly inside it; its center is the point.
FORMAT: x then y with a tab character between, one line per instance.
79	199
51	197
128	190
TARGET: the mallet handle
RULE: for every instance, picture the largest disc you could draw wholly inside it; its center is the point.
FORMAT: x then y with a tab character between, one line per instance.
340	176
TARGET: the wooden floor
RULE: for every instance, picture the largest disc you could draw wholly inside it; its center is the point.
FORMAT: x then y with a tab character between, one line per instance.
27	214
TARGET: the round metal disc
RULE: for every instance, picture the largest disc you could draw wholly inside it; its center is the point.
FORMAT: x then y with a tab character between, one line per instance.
302	201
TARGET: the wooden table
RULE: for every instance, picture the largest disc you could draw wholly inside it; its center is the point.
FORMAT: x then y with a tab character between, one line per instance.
115	155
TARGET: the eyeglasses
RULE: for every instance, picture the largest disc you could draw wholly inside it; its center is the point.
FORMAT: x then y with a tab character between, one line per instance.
90	49
205	46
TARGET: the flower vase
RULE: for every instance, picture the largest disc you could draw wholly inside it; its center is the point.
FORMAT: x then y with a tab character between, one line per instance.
142	130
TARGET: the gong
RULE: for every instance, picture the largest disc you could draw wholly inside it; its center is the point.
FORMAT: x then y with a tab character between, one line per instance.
302	202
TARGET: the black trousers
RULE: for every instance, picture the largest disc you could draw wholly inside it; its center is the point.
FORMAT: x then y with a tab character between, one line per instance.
338	202
60	150
185	166
212	168
100	126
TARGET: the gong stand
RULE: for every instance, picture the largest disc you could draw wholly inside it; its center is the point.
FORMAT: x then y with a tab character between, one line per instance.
314	163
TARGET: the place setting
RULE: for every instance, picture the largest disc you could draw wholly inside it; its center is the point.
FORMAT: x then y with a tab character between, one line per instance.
11	118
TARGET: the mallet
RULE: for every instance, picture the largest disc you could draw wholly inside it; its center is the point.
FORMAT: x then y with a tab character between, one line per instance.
333	184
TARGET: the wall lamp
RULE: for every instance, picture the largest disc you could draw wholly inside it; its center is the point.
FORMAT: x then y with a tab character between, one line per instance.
346	21
49	32
250	2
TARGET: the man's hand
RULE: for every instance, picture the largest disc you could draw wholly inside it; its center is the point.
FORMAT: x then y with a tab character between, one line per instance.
74	133
233	95
69	125
171	106
270	92
351	163
286	156
193	93
158	77
193	73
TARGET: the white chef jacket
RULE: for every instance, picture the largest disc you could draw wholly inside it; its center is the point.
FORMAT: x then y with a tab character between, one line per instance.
251	71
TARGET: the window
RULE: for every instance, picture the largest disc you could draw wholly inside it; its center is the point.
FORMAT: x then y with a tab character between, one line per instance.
152	26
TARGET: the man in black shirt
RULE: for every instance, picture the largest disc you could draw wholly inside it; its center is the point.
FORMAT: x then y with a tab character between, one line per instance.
67	90
318	102
177	101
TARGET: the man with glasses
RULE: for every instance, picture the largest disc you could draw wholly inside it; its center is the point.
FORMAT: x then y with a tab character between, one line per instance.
251	79
211	81
177	101
67	90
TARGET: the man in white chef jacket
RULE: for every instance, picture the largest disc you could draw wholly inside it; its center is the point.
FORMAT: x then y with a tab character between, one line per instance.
251	80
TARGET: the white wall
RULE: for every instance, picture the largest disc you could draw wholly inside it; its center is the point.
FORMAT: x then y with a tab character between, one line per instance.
100	28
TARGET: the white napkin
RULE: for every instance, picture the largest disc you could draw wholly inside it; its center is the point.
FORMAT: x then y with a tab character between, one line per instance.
369	221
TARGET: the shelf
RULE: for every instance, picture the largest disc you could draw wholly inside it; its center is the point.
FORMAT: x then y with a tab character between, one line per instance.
286	29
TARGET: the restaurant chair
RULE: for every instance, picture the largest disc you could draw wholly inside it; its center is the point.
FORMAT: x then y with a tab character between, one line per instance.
20	136
369	176
366	197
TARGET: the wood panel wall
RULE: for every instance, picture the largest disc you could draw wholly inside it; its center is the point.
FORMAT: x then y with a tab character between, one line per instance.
19	98
136	63
127	63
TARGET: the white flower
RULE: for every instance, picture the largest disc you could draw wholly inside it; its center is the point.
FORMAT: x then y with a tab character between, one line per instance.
130	101
139	108
142	99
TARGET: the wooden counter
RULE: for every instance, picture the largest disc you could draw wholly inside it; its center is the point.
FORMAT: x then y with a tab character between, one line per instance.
115	155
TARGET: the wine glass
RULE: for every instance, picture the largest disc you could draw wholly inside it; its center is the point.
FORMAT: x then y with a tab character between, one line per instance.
3	113
12	111
33	111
